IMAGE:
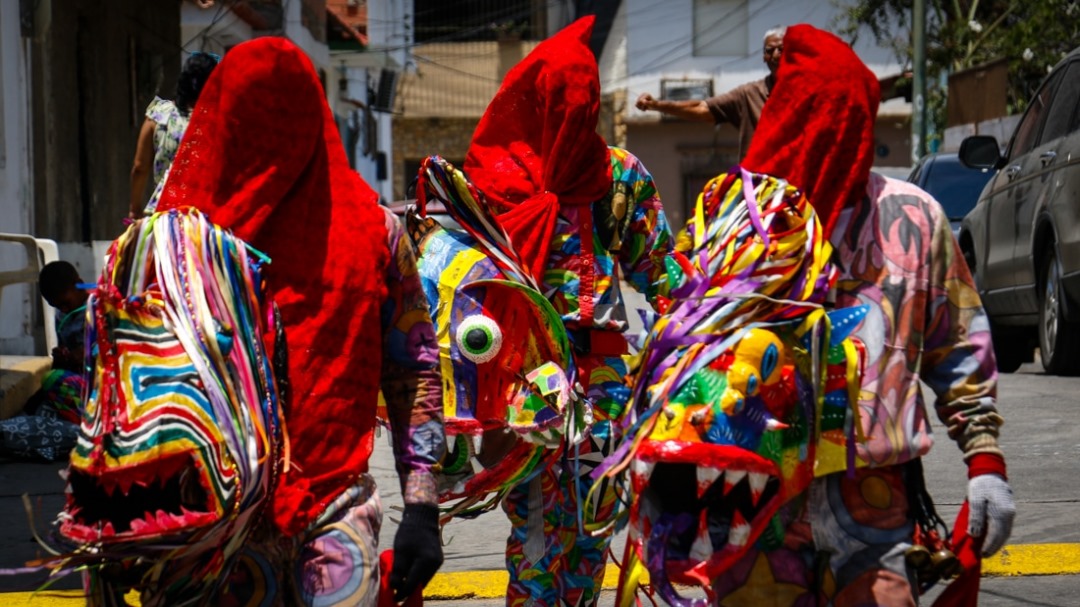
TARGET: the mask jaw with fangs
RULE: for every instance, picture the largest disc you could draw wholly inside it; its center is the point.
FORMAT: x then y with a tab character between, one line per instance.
739	382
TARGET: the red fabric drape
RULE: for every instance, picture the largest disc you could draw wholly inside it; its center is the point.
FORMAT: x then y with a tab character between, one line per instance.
817	128
536	146
262	156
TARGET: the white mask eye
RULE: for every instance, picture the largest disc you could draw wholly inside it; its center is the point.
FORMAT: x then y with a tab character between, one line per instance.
478	338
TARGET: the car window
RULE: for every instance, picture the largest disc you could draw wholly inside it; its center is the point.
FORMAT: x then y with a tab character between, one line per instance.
1063	107
1027	132
1060	119
956	187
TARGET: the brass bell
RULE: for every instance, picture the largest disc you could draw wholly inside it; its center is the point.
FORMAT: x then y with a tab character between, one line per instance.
945	564
918	558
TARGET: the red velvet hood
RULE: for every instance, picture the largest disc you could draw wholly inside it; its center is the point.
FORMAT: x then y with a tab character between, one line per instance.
817	128
262	156
536	146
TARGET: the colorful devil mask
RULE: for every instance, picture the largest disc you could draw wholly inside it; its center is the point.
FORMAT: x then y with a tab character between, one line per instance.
508	372
734	380
180	433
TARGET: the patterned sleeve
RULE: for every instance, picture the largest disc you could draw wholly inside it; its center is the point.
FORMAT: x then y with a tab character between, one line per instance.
958	358
411	384
646	239
159	110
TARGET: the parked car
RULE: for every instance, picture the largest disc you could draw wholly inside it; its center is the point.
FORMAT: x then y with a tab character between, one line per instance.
1022	239
952	183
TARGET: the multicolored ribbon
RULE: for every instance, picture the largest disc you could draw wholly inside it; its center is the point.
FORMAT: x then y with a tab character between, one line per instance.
179	298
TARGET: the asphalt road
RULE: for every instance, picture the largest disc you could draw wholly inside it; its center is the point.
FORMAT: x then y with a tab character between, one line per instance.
1041	440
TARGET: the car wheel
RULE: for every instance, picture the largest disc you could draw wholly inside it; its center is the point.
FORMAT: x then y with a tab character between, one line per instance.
1059	339
1011	349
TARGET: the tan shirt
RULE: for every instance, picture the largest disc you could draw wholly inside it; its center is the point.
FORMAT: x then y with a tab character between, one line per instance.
741	107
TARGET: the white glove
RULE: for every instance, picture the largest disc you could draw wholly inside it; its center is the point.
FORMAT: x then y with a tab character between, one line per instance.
992	510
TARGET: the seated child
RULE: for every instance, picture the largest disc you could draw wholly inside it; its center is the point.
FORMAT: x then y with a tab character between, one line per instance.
48	425
60	286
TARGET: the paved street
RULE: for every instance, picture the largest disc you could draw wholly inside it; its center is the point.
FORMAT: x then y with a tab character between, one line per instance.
1041	439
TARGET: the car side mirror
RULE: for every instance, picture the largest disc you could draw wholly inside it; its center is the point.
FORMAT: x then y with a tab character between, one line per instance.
980	152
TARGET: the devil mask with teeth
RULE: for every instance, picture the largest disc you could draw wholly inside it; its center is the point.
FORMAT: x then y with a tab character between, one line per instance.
743	388
510	396
180	433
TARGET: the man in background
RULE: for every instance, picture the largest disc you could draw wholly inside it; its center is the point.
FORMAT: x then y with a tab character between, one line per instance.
740	107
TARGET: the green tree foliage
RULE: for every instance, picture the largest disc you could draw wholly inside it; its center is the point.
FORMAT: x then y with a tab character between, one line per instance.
1032	35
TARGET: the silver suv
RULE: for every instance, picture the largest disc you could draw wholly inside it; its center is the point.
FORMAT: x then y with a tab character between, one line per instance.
1022	239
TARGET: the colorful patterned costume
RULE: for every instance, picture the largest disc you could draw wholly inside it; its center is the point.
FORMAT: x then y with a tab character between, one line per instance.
353	321
565	562
581	216
518	334
854	516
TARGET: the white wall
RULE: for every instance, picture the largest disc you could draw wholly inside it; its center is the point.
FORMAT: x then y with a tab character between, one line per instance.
359	79
317	51
17	325
390	29
1000	128
389	44
613	62
211	29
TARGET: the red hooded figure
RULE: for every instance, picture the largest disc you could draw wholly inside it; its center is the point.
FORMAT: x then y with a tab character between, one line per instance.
817	130
262	157
581	217
896	254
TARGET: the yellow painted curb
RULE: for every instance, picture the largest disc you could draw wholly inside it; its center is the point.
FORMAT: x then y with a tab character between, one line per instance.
1034	559
1016	560
45	598
454	585
467	585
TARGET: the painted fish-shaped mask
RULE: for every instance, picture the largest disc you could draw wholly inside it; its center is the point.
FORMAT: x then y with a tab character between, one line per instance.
509	387
180	433
732	388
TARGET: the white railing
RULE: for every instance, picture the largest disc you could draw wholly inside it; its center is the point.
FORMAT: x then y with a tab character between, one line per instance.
39	251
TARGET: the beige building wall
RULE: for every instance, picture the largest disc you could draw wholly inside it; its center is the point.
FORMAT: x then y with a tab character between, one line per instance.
682	156
417	138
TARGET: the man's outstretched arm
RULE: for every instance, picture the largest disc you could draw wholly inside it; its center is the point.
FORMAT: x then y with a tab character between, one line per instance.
689	109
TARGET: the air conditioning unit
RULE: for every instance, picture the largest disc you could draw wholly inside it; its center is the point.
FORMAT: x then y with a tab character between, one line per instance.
384	94
686	89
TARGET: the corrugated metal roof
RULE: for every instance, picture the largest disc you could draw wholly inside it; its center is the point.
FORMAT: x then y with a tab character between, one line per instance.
352	15
456	79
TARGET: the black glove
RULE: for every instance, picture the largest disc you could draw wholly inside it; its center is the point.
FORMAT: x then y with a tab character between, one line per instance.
417	550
